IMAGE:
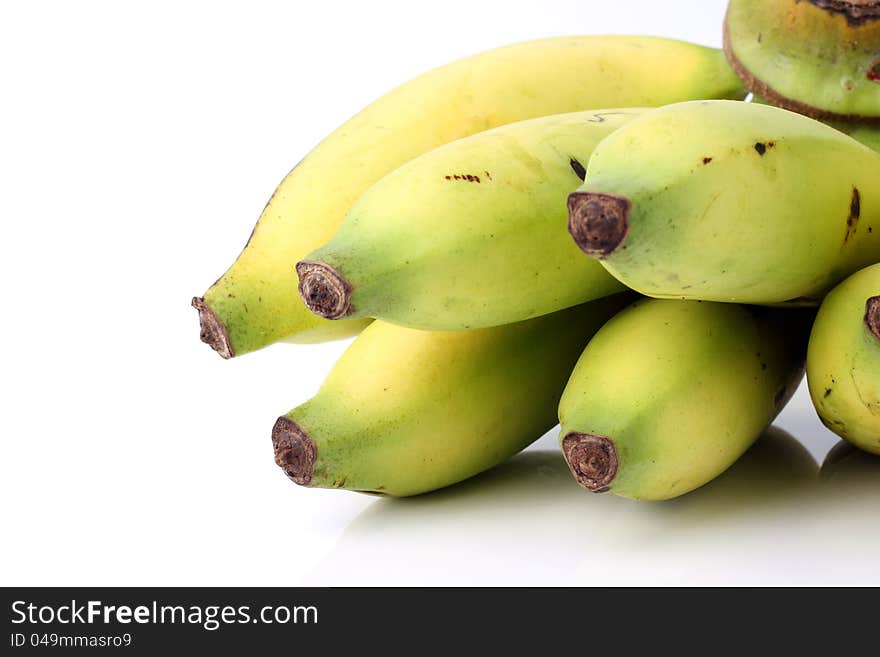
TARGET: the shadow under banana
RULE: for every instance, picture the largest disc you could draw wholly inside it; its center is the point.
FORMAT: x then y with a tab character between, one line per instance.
851	473
527	522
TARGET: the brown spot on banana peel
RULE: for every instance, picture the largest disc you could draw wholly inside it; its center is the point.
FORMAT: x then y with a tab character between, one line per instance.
598	223
578	168
324	291
295	452
467	177
856	12
872	316
852	219
592	460
212	330
763	90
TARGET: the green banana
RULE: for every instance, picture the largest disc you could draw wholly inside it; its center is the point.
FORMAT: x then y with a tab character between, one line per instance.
843	360
669	394
729	201
467	235
251	305
864	133
817	57
406	411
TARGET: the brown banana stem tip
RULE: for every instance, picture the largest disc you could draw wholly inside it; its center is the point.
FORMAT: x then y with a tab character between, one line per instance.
767	93
592	460
856	11
598	222
213	332
323	289
872	316
295	452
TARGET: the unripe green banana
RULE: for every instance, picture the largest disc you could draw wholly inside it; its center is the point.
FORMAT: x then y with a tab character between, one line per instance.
251	305
817	57
406	411
729	201
468	235
668	394
864	133
843	360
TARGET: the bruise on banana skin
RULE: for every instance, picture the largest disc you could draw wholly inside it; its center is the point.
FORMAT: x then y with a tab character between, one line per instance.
852	219
761	147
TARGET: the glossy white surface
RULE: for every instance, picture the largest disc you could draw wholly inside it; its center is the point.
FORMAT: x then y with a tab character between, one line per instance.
138	148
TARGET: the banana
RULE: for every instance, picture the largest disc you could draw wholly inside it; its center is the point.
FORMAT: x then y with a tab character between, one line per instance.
251	305
669	394
468	235
817	57
729	201
864	133
406	411
843	360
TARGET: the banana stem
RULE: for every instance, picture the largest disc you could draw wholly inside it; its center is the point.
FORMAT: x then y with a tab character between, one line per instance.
324	291
295	452
213	332
598	222
592	460
872	316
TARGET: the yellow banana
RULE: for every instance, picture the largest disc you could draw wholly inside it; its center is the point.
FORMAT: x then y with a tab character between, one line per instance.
668	394
729	201
252	306
843	360
468	235
406	411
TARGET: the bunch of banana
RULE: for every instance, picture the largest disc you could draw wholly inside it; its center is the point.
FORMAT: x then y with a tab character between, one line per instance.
457	210
251	305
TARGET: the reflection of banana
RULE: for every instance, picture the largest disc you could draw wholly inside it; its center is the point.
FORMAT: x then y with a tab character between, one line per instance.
776	461
468	235
405	411
849	465
729	201
820	57
843	361
669	394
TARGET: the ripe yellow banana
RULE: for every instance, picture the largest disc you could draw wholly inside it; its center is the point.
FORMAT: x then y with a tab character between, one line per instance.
468	235
406	411
668	394
843	360
251	305
729	201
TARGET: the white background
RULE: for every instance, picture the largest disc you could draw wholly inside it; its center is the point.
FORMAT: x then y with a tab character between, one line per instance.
138	144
